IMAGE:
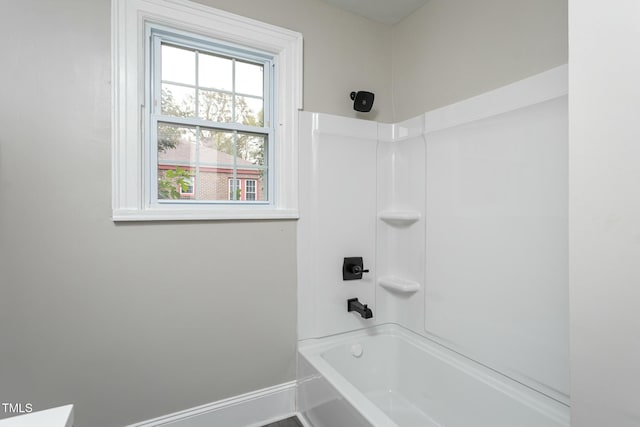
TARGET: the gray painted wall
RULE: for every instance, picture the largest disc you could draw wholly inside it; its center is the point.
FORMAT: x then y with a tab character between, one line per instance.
604	212
133	321
342	52
450	50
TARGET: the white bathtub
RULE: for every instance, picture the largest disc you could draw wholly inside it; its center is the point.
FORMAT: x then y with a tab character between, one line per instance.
387	376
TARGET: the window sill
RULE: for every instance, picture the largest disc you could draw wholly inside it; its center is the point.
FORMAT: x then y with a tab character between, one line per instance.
122	215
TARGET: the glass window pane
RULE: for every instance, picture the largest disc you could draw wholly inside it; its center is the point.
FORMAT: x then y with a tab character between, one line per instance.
177	157
178	100
215	72
215	171
249	111
218	147
217	159
178	65
223	154
252	149
249	78
215	106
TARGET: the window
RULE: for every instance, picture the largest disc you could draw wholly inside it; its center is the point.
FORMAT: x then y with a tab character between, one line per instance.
211	115
186	186
205	112
242	189
250	189
235	189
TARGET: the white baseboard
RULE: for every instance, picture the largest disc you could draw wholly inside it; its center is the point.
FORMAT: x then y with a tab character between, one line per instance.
251	409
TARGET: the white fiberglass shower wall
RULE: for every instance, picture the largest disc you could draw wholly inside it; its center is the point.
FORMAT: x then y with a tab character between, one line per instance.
461	217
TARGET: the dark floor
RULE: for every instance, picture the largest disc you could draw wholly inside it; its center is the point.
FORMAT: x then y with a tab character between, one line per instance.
289	422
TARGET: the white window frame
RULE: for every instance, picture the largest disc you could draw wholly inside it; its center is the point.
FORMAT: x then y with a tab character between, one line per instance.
130	171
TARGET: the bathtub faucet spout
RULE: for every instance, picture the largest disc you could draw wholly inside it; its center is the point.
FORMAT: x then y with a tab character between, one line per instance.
354	305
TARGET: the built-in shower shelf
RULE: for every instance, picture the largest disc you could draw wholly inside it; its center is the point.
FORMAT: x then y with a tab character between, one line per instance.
397	284
400	217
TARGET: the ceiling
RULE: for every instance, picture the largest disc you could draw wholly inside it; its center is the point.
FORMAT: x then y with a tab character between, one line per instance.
385	11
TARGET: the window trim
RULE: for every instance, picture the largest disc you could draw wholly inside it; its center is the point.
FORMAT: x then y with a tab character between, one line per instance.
130	200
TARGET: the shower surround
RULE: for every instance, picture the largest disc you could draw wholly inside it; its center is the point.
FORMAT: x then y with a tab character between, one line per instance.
460	215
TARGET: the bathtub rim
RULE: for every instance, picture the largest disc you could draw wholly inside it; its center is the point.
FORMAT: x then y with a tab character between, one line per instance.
312	350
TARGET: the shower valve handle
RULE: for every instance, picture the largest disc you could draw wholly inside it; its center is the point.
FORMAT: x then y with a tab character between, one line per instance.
352	268
357	269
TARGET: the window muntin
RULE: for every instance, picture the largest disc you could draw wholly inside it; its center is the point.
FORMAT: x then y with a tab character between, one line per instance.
211	120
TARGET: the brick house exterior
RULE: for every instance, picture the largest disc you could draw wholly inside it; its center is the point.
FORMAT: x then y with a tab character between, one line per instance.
215	173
